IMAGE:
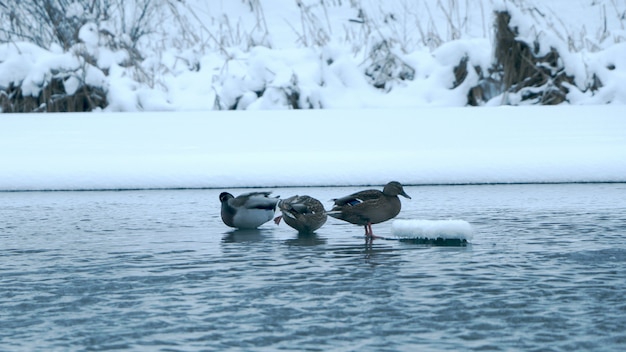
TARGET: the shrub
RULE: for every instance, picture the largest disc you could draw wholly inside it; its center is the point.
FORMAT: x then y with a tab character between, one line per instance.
95	34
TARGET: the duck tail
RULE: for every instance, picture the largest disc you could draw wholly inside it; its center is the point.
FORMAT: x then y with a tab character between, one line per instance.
334	213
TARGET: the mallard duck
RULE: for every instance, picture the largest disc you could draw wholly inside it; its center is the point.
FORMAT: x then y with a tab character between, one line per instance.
369	206
303	213
248	210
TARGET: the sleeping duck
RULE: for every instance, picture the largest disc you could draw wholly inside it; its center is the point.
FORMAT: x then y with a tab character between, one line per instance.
248	210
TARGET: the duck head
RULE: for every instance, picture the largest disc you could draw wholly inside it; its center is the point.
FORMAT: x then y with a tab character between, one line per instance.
225	196
394	188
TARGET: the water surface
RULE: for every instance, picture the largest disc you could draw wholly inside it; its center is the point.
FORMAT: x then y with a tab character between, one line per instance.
157	270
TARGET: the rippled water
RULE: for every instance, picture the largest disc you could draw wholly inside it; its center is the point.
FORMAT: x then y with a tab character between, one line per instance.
157	270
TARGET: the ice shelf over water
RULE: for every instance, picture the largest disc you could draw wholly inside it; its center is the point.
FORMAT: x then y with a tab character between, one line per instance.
209	149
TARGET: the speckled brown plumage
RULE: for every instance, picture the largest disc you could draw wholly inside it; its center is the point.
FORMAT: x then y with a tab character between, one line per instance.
303	213
370	206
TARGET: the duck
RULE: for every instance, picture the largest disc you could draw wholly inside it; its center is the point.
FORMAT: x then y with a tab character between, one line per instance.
248	210
370	207
303	213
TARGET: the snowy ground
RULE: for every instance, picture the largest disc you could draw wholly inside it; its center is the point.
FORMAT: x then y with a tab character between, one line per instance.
312	148
414	131
253	54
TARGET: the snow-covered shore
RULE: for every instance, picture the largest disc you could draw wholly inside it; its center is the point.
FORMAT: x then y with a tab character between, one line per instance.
312	148
255	55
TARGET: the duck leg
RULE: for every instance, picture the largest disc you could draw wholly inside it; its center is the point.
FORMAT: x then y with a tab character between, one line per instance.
278	219
369	233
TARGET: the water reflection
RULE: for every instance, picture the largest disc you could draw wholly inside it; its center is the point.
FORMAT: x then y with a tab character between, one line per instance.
306	240
244	236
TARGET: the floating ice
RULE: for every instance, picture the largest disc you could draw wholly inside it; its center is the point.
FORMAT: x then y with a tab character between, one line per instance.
432	229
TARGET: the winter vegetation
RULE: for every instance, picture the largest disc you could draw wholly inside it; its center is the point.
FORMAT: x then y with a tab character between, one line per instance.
166	55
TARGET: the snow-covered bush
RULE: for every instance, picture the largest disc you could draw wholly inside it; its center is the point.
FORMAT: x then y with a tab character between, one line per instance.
414	53
385	68
266	79
537	63
35	79
125	55
81	46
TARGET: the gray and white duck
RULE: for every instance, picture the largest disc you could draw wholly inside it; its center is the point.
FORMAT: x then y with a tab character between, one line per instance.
303	213
370	206
248	210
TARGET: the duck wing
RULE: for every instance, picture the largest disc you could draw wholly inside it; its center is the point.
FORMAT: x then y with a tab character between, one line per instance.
256	200
301	205
298	208
358	198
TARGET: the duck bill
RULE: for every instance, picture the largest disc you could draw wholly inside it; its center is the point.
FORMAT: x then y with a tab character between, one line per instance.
405	195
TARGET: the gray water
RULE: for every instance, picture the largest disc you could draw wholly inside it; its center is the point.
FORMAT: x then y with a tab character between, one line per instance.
157	270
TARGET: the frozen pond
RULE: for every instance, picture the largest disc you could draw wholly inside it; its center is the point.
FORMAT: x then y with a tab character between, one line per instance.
158	270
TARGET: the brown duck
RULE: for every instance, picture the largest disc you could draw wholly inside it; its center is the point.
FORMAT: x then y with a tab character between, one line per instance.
370	206
303	213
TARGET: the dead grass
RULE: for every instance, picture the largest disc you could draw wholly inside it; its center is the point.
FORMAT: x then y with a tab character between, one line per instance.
384	67
52	98
539	79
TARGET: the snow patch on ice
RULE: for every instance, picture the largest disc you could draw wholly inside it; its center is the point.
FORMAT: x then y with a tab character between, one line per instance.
432	229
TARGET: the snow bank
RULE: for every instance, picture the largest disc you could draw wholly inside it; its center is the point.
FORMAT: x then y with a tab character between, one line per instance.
312	148
315	54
